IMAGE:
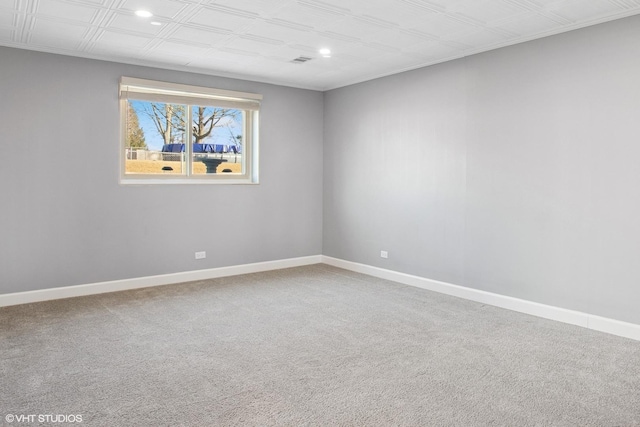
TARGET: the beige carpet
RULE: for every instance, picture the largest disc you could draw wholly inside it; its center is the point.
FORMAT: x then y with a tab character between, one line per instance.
311	346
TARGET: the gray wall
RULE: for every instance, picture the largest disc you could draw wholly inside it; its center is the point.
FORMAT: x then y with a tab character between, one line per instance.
515	171
66	220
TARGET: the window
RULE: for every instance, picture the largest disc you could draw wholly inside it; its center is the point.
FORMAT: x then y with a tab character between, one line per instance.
174	133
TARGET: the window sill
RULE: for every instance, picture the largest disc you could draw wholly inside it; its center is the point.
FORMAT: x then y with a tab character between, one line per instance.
187	181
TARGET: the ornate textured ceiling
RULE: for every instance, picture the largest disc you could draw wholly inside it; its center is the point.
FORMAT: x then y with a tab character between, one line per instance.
260	39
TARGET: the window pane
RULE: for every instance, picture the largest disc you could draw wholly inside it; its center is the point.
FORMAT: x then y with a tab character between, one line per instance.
172	133
218	136
155	137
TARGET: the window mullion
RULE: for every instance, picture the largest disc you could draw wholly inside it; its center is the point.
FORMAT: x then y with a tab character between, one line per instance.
188	147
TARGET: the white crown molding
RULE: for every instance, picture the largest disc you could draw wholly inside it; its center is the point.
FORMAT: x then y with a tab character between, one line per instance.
470	52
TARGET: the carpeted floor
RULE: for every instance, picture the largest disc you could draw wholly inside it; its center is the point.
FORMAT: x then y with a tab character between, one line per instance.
309	346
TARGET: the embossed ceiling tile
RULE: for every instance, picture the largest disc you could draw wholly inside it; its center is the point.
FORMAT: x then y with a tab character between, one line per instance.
263	8
117	38
201	35
295	74
163	8
94	2
360	51
212	62
225	61
352	27
62	30
339	62
302	49
285	30
168	58
308	69
458	5
251	67
180	49
277	71
380	63
356	73
337	74
8	5
580	10
7	19
402	13
130	22
445	26
441	5
270	58
531	23
366	36
338	7
238	54
422	35
396	38
383	48
338	38
261	40
407	63
67	11
308	42
304	14
321	62
116	52
346	62
490	11
223	19
287	53
542	4
431	50
482	37
283	23
246	45
60	42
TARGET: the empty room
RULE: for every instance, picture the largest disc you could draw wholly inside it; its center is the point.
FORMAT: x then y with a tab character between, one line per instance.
320	212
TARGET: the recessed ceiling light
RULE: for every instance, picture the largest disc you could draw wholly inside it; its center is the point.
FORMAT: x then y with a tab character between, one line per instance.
144	13
155	23
325	52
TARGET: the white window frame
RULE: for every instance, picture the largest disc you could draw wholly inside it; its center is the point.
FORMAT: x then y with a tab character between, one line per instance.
174	93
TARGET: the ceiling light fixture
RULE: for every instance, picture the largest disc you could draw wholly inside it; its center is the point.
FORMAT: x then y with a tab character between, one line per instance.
325	52
155	23
144	13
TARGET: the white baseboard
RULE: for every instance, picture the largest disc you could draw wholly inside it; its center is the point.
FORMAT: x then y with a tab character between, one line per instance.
145	282
602	324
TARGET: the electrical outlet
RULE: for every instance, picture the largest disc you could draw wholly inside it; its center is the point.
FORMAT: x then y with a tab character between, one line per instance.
201	255
384	254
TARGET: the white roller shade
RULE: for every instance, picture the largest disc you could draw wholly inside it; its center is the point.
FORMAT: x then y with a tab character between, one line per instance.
155	91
